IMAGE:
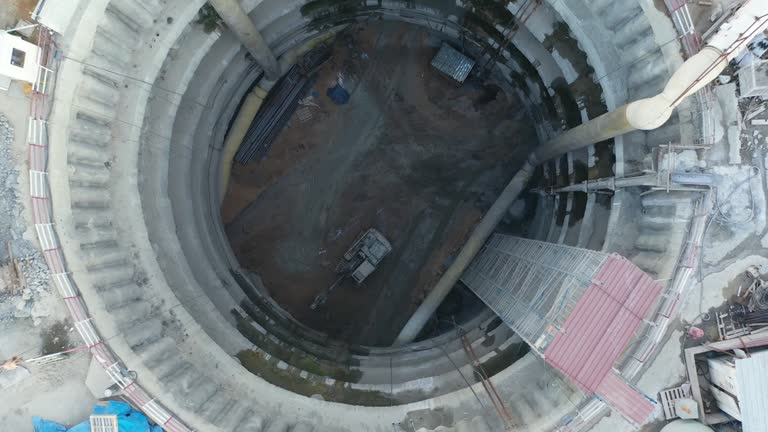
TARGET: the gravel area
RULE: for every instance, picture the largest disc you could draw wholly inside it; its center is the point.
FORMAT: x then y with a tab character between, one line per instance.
33	320
32	296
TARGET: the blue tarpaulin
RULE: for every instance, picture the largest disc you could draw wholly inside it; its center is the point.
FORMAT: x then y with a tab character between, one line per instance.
128	420
338	94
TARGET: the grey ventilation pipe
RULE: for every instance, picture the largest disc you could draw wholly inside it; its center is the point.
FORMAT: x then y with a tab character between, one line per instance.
241	25
645	114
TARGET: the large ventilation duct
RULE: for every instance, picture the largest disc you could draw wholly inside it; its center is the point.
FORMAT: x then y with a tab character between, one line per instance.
697	72
242	26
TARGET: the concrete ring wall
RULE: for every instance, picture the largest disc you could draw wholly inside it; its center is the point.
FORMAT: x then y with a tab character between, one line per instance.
374	370
125	234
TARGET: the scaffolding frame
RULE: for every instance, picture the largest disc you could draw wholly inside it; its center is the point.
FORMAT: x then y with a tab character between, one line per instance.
531	285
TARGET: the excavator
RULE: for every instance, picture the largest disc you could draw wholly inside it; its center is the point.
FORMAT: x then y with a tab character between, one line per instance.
358	262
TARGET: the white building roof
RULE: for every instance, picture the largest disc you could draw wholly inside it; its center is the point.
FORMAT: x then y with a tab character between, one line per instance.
18	58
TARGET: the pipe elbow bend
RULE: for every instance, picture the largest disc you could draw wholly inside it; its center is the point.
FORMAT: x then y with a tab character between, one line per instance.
651	113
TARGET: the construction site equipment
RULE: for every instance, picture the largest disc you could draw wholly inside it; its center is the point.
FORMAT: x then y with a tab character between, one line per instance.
359	261
750	314
321	298
759	299
662	180
366	253
453	63
730	324
694	74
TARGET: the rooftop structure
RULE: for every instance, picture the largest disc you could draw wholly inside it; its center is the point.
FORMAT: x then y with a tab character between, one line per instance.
18	60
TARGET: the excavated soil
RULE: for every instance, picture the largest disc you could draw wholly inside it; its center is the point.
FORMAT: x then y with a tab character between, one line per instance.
413	154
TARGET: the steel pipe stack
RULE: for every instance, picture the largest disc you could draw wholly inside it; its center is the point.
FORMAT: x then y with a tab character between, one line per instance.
274	114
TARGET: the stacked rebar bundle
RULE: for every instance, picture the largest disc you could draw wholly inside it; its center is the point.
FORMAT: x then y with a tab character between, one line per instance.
280	104
756	319
277	109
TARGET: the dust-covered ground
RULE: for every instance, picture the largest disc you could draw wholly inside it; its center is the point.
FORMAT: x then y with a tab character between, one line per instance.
33	318
413	154
25	291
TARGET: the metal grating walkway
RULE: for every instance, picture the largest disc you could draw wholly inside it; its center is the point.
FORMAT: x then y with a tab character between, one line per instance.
532	286
579	309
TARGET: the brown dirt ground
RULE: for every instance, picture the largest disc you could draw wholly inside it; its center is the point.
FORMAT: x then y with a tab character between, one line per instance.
413	154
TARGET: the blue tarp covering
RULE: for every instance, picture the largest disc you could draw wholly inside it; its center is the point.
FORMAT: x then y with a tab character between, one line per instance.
338	94
128	420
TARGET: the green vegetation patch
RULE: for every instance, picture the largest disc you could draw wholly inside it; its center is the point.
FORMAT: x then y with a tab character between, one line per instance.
337	392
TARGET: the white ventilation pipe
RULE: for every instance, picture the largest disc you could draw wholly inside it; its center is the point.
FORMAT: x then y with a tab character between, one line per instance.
233	15
698	71
645	114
